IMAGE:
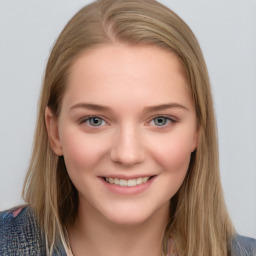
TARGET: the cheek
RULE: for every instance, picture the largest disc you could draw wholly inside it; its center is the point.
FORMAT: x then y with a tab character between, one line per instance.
174	152
80	151
173	157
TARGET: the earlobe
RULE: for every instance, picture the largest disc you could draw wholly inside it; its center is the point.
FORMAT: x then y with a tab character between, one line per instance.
53	132
195	142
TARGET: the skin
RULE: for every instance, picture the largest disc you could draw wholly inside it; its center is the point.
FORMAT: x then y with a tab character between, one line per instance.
134	137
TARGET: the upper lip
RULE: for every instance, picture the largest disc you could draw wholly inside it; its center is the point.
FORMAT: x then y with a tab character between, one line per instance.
119	176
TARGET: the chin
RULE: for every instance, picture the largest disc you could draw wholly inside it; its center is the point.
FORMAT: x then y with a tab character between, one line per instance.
127	219
134	214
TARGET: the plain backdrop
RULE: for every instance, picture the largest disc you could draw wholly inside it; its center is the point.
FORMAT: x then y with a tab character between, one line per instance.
226	30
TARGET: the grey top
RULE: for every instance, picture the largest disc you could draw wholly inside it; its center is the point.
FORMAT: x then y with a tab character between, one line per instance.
21	235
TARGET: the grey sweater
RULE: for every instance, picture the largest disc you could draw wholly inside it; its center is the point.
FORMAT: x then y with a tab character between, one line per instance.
21	235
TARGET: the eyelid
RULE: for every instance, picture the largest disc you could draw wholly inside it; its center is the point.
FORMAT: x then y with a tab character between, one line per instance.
170	117
86	118
171	120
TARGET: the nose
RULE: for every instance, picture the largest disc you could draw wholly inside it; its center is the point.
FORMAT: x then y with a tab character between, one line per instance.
127	148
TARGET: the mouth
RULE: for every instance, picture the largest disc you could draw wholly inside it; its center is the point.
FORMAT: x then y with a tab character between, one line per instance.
128	182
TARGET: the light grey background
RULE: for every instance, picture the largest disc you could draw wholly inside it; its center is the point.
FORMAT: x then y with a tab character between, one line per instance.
226	30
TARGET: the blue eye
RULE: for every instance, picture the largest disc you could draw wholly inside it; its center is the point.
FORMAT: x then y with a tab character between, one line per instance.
95	121
161	121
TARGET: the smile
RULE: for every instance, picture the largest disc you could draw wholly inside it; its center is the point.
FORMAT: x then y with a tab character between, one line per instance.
129	182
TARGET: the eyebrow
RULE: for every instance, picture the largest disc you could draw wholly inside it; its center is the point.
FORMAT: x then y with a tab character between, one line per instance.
90	106
145	110
163	107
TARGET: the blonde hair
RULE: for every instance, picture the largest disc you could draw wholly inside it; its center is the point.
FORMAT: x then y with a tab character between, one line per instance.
199	222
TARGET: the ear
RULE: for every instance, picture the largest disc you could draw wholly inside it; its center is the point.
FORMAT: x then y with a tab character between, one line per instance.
53	132
195	140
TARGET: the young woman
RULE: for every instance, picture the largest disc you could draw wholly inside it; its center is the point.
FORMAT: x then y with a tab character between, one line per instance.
125	158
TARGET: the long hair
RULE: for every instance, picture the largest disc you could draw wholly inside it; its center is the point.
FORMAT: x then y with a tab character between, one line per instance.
199	223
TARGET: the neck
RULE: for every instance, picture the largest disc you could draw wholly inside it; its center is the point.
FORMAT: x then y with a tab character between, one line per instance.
92	234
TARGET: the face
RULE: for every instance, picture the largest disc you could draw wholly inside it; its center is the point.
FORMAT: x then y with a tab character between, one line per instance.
126	129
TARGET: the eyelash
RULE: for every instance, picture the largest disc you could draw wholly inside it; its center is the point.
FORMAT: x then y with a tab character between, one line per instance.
168	120
88	118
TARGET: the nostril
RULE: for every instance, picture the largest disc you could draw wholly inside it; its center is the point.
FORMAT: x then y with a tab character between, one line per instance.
127	148
127	158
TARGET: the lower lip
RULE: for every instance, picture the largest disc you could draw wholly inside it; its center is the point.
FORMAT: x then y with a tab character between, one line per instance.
128	190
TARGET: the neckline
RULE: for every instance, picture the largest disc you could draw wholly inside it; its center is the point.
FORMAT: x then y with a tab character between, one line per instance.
70	253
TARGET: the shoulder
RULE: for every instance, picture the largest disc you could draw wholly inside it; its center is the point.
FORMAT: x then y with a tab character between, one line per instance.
243	246
20	233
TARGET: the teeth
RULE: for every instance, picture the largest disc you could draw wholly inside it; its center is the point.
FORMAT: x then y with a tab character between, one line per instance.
139	181
132	183
129	183
123	182
145	179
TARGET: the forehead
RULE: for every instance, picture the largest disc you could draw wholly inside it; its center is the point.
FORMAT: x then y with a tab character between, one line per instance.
128	72
115	54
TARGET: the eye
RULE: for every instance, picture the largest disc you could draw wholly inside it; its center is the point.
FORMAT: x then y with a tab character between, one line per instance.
94	121
161	121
